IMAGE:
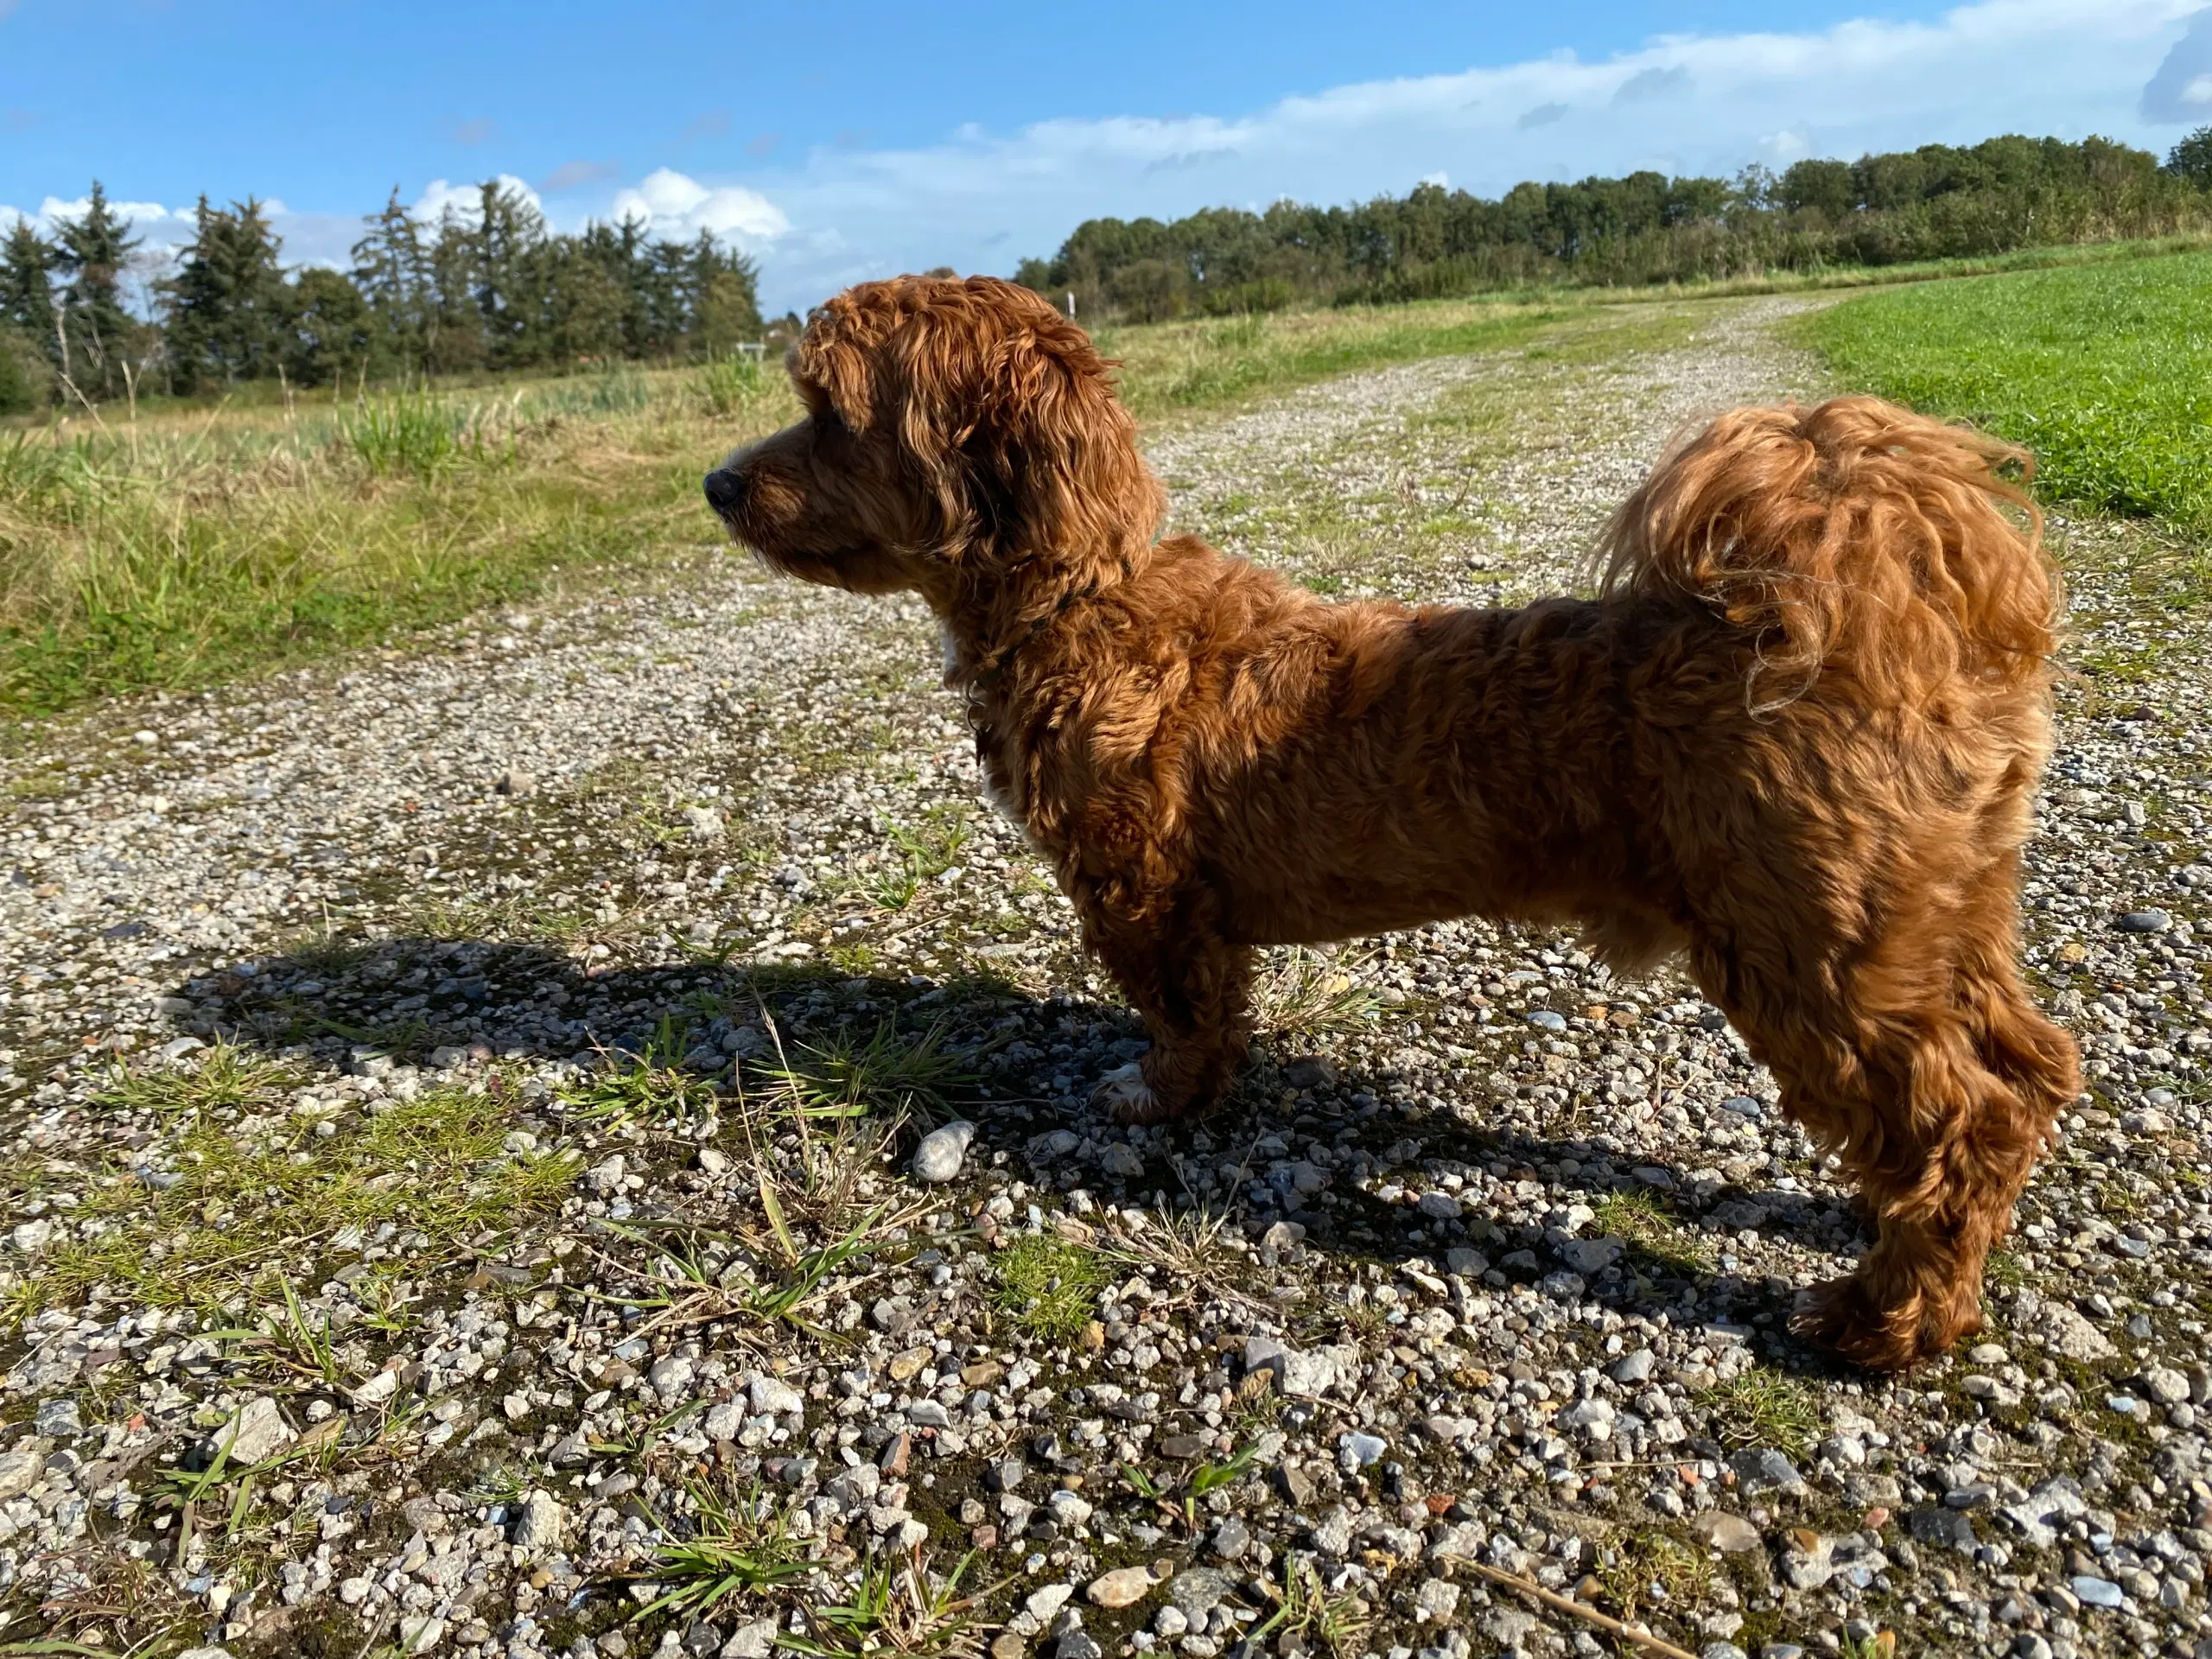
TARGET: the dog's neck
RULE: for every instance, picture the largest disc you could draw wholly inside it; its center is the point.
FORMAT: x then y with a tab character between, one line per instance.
991	618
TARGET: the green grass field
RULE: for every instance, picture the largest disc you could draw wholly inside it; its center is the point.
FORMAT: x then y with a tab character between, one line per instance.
2105	371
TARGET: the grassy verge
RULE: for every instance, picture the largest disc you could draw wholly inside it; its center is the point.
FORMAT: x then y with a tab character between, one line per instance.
2105	370
195	546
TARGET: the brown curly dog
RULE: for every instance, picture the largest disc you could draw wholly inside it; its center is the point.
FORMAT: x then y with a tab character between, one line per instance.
1795	740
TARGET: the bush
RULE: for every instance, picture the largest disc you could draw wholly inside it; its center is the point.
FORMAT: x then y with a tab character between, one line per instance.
26	383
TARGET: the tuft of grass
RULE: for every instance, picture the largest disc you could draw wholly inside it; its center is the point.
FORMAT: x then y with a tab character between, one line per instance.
1652	1234
2105	371
1050	1286
411	432
739	1546
653	1087
1304	1608
843	1076
1644	1570
897	1605
1764	1409
1310	993
727	385
925	851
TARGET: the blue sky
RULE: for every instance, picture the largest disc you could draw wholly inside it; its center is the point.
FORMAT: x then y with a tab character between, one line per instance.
841	141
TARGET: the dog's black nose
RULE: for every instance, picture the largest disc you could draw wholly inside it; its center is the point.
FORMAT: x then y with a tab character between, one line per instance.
723	489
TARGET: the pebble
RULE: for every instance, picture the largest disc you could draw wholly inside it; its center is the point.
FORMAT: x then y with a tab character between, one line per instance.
942	1151
1123	1587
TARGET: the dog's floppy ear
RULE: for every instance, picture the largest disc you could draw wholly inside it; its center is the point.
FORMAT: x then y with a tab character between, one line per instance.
840	342
1055	451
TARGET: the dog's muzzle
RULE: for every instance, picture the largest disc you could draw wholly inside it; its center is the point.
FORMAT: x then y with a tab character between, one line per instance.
725	489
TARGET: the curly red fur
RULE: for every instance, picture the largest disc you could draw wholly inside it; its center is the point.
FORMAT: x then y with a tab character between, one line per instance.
1795	739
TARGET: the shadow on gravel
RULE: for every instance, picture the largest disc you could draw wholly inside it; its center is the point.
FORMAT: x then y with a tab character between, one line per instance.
1022	1067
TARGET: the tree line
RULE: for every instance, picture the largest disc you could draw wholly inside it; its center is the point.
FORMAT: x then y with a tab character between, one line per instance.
491	288
1937	202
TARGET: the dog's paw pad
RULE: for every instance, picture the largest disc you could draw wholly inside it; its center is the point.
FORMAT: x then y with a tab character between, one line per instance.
1122	1093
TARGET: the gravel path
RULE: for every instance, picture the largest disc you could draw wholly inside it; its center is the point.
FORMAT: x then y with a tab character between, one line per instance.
463	1114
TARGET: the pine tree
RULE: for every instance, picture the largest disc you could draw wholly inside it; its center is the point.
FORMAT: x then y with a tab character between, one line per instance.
227	306
27	265
510	274
392	272
100	339
332	331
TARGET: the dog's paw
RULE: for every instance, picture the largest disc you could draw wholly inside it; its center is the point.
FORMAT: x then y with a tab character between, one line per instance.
1123	1095
1842	1317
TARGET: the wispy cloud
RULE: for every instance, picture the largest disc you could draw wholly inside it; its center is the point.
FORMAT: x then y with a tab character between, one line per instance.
472	133
715	124
571	175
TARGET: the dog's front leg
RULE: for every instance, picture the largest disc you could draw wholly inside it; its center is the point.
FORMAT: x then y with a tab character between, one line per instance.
1193	988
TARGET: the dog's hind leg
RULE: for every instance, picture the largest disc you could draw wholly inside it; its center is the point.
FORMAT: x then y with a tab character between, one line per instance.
1193	988
1922	1064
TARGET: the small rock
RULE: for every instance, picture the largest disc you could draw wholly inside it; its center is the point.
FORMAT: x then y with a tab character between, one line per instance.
22	1465
515	784
942	1151
1729	1533
1362	1450
1231	1538
2165	1385
754	1641
1048	1601
773	1396
31	1237
1440	1206
257	1432
1634	1368
1333	1536
539	1526
1124	1588
1121	1160
2143	921
1197	1591
1591	1256
2072	1336
419	1632
1764	1470
1436	1601
702	824
2098	1593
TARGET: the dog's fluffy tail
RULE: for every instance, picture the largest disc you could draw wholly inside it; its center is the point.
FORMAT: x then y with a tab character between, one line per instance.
1854	536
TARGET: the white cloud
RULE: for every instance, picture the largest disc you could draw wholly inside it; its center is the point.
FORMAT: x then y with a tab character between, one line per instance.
466	198
139	212
676	205
1682	104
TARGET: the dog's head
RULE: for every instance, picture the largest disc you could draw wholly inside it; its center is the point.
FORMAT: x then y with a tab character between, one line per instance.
955	431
